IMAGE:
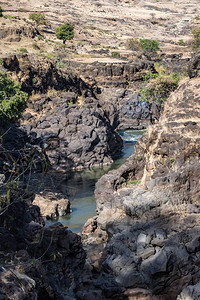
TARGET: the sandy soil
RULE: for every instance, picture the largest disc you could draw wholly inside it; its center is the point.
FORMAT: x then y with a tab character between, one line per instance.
103	26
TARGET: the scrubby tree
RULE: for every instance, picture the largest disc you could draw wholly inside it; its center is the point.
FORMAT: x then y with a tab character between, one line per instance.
65	32
1	12
12	99
150	47
39	18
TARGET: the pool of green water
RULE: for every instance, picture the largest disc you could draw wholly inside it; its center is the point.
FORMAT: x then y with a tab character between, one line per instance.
81	185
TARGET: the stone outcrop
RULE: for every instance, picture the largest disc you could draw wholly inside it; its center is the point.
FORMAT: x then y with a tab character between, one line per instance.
131	111
124	74
38	74
52	209
12	33
149	207
74	136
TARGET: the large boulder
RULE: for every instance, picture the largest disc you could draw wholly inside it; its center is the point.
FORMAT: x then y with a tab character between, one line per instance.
74	136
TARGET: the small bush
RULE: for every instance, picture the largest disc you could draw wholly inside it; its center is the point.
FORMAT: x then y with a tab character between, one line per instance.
115	54
12	99
158	87
181	42
150	47
196	38
34	80
65	32
1	12
39	18
23	50
135	182
35	46
133	44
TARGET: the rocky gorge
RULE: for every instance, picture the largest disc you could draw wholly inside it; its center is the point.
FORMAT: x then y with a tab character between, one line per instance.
144	241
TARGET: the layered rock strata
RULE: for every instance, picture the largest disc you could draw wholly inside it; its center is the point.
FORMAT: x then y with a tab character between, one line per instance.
121	74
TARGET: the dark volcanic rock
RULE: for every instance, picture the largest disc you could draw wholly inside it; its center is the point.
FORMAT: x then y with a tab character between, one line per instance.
75	136
194	66
39	74
131	111
122	74
47	261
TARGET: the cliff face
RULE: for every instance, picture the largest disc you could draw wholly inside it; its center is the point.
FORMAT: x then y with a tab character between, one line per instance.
153	227
121	74
38	74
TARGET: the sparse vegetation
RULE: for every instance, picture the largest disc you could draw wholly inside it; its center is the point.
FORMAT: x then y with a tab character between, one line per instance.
34	80
115	54
150	47
65	32
146	47
158	86
21	10
181	42
39	18
134	182
196	38
9	17
23	50
35	46
12	99
133	44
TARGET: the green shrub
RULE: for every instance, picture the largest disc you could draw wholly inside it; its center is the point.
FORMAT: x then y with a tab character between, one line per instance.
135	182
35	46
1	12
196	37
115	54
65	32
158	87
39	18
150	47
23	50
12	99
34	80
181	42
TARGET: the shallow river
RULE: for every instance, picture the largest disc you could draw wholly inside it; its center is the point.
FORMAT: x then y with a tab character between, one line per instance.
81	185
